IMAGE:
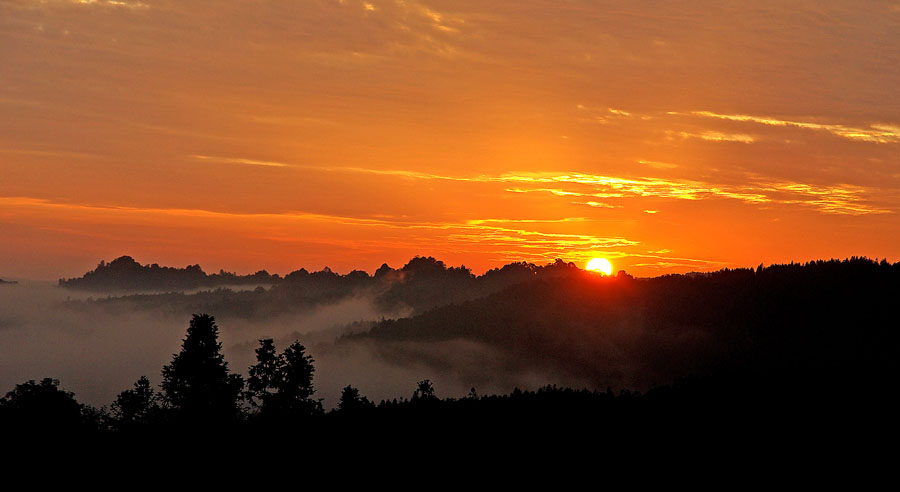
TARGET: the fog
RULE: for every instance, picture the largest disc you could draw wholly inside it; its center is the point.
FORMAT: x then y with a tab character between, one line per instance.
97	350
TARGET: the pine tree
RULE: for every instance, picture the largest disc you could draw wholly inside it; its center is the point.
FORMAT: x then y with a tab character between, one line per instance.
265	376
282	385
197	384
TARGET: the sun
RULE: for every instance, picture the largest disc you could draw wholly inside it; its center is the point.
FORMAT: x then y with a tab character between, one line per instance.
601	265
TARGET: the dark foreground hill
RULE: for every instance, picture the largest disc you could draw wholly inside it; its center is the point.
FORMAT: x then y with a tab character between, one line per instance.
825	322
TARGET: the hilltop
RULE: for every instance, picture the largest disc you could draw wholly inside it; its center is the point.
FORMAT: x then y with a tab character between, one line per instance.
124	273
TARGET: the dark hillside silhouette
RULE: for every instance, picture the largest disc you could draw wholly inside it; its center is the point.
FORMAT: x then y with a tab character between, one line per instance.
7	281
820	320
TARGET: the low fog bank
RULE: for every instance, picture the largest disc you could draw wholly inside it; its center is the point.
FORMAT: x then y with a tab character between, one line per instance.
93	353
76	293
99	349
388	371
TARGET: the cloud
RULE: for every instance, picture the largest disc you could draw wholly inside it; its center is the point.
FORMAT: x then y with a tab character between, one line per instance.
658	164
714	136
835	199
599	204
875	133
125	4
843	199
234	160
51	153
512	239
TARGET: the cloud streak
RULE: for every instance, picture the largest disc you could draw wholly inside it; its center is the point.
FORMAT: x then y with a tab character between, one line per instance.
497	234
842	199
874	133
838	199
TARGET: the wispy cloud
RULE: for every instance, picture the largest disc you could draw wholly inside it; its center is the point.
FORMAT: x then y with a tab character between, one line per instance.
518	238
241	161
607	115
658	164
598	204
714	136
50	153
875	132
125	4
841	199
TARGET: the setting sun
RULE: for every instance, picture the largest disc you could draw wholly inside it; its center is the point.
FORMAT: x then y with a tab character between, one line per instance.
601	265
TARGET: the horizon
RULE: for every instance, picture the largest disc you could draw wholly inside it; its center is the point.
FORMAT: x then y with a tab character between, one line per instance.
615	270
665	138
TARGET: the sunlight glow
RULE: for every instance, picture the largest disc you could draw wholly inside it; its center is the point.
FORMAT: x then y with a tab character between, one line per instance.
600	265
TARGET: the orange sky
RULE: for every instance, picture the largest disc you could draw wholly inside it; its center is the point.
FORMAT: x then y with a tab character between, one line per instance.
243	135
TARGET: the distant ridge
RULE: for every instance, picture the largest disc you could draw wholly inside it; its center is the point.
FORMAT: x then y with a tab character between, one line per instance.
423	283
124	273
7	281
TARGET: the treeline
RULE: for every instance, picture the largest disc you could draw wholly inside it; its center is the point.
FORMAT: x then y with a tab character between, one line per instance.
423	283
197	389
198	393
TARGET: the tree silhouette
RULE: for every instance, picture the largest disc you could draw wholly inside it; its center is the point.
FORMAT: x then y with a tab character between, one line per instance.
281	385
352	402
424	391
265	376
136	406
298	373
197	384
42	406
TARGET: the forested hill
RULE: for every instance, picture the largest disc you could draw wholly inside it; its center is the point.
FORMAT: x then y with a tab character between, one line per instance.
824	318
124	274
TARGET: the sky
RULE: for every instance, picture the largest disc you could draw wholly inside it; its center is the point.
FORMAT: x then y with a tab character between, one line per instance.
273	134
